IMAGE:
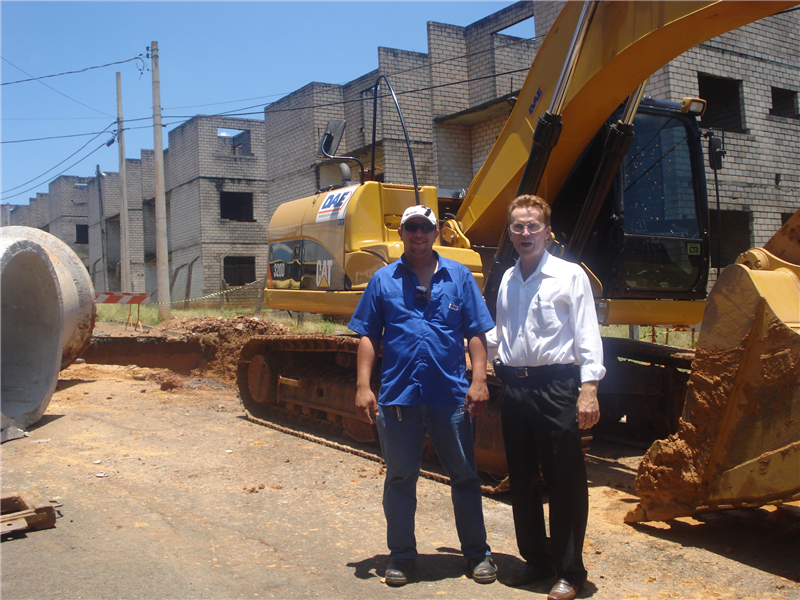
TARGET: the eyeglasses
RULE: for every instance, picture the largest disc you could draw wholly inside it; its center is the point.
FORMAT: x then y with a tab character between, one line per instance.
424	227
518	228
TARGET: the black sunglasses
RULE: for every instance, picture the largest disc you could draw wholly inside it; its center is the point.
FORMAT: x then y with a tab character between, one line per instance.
421	296
425	227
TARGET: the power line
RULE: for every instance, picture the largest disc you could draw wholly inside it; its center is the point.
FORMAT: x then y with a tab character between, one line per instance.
54	137
58	174
141	69
235	111
263	107
185	118
55	90
57	165
425	66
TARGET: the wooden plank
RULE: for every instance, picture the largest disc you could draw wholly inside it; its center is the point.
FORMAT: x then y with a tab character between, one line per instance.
25	510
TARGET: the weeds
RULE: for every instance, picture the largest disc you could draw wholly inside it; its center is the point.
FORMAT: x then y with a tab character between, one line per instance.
298	322
303	323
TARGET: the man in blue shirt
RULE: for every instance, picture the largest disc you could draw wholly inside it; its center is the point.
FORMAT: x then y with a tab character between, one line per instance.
422	307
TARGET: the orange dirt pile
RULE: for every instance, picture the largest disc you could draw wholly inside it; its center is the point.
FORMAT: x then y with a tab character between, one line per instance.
228	335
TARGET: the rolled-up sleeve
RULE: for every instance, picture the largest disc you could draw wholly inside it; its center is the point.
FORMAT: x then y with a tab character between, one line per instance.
588	343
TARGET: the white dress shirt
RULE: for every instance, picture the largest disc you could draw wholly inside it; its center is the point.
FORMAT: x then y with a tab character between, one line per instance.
548	319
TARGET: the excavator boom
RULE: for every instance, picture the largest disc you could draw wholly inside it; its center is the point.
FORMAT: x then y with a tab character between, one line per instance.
626	42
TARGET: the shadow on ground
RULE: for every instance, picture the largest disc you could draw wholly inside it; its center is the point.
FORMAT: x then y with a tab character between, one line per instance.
773	537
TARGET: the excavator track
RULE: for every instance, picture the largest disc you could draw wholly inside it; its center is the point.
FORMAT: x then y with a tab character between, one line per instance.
313	378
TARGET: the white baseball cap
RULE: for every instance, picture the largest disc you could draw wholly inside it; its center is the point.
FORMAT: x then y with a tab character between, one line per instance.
419	211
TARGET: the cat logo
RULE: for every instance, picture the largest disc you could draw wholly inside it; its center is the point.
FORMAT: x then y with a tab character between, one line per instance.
324	273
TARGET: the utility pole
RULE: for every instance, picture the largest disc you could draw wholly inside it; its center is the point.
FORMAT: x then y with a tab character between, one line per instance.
162	249
99	175
125	259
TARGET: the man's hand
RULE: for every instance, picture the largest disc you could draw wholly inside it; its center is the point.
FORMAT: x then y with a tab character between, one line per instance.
366	404
477	398
588	413
478	394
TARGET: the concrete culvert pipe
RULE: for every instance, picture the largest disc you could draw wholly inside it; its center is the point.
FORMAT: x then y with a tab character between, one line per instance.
47	315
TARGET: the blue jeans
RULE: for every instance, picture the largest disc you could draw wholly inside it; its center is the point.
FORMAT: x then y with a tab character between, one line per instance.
402	441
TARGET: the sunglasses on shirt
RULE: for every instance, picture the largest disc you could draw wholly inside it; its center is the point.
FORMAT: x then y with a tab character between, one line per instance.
425	227
421	296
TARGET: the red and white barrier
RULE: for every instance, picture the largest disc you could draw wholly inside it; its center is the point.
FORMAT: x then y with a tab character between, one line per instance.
119	298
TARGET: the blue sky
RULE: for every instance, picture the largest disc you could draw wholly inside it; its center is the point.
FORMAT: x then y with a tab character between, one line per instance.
214	57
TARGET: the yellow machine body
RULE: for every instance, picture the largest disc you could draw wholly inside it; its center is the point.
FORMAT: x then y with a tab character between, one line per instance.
737	442
325	248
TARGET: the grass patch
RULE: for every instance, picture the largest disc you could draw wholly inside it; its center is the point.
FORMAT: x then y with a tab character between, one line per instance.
659	335
298	322
304	323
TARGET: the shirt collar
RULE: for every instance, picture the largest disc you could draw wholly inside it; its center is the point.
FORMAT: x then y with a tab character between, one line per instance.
441	262
546	266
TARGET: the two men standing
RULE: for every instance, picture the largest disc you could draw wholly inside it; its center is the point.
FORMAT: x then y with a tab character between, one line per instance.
548	342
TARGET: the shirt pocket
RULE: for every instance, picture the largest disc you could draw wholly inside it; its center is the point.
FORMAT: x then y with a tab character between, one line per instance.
542	317
449	311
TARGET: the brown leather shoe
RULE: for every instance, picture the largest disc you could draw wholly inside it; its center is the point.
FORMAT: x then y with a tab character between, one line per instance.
528	575
562	590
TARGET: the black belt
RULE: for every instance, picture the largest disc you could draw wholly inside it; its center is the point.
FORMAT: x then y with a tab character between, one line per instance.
506	372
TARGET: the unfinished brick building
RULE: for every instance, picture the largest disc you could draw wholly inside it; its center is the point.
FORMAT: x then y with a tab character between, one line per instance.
225	176
215	172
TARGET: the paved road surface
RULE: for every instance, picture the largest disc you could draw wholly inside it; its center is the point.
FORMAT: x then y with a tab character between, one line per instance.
176	495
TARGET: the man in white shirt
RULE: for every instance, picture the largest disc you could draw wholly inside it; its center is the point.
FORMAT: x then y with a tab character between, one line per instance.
550	362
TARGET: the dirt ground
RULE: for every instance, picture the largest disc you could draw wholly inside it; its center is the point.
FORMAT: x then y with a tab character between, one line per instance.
172	493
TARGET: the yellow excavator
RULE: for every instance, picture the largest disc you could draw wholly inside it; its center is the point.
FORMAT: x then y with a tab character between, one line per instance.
632	210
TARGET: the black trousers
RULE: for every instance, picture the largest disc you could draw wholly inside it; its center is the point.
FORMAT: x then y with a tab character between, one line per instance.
540	430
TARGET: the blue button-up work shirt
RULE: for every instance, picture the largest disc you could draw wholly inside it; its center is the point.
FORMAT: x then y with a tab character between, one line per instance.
423	346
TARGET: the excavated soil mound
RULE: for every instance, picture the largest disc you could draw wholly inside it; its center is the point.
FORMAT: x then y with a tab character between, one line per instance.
228	335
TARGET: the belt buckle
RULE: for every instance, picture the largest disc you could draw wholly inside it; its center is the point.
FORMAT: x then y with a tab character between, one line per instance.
521	372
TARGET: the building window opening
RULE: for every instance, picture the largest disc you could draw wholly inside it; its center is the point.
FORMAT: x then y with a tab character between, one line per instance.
237	141
236	206
239	270
81	234
724	97
784	103
524	29
736	225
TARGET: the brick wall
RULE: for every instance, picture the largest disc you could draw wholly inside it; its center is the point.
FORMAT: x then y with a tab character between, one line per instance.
447	49
452	103
761	55
489	54
204	166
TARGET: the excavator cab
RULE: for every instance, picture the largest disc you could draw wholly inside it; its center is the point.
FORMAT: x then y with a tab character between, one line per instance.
650	240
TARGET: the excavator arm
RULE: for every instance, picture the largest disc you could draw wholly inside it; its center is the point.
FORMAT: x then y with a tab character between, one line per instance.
625	43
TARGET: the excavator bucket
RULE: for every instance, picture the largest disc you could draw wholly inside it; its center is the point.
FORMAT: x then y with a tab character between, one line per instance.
738	443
